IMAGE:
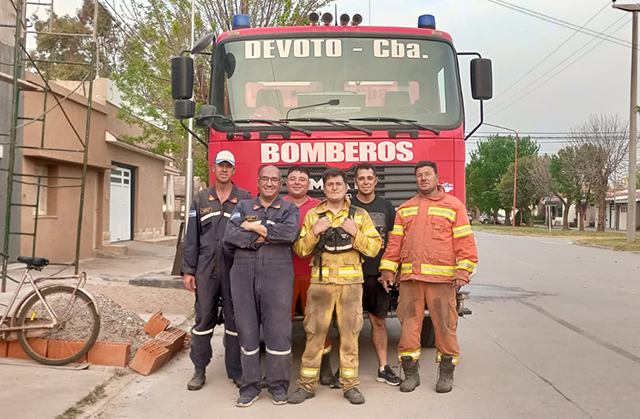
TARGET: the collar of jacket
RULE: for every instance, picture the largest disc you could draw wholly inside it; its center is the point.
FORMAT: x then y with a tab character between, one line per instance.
233	196
439	196
323	207
275	204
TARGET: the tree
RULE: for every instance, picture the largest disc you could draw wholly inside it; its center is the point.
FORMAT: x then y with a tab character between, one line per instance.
160	29
604	148
487	166
566	183
77	49
533	181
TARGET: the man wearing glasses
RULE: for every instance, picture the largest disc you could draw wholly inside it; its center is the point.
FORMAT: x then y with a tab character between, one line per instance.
260	235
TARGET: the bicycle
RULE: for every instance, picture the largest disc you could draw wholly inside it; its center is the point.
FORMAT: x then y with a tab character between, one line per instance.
66	316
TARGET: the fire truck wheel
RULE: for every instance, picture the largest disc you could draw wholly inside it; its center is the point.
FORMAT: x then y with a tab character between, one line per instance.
428	336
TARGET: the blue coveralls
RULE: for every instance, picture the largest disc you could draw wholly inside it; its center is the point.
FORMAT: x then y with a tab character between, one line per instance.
204	258
262	288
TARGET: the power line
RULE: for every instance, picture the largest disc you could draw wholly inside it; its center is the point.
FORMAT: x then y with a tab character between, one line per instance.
505	103
559	22
551	53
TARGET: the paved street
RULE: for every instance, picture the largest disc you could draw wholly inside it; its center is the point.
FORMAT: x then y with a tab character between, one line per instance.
554	334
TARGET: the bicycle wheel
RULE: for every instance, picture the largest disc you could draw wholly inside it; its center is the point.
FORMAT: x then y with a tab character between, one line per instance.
77	328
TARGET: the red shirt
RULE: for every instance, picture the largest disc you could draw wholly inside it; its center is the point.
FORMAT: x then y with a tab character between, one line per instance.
301	265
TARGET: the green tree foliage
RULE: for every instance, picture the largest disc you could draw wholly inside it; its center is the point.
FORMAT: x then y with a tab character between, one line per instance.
161	29
77	49
488	164
532	185
566	181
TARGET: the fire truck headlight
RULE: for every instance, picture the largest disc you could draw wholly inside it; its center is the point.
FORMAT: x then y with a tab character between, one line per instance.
356	19
327	18
344	19
427	22
240	22
314	18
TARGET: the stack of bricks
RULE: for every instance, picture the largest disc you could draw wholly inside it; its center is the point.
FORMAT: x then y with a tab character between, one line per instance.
167	342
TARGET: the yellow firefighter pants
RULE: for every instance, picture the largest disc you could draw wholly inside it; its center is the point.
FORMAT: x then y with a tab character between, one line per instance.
441	299
321	301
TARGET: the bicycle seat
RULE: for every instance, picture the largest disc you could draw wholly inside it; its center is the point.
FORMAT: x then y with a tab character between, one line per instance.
33	262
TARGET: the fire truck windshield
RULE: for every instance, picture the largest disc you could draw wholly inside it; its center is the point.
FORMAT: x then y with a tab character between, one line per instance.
359	79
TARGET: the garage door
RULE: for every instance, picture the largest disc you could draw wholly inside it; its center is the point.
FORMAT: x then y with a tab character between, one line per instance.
120	208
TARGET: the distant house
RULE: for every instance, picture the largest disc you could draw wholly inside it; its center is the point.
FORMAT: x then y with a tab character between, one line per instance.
124	184
617	208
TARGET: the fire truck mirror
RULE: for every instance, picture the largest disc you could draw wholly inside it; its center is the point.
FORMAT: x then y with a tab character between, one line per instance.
481	79
181	77
184	109
229	64
204	119
202	43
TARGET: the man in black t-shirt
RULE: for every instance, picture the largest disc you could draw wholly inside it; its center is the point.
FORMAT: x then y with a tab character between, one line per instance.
375	299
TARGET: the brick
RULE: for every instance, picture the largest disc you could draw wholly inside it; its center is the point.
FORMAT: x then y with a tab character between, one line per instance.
156	324
149	358
16	351
110	353
4	345
176	338
59	349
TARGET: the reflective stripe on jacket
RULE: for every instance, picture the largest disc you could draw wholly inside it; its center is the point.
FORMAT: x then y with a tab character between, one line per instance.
339	268
431	240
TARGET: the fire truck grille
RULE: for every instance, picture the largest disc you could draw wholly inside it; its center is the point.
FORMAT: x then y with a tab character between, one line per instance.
397	182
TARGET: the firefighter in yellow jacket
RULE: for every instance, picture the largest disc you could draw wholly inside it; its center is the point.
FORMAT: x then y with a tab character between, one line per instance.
432	246
337	235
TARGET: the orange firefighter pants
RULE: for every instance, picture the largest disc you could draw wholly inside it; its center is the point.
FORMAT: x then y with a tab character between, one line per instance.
440	298
322	300
300	288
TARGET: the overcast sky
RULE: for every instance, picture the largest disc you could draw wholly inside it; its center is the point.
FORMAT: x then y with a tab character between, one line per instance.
599	82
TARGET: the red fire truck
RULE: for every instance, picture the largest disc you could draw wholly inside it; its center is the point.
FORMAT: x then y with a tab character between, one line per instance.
334	96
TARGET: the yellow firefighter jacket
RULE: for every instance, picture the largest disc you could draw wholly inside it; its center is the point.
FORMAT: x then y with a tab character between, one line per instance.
339	268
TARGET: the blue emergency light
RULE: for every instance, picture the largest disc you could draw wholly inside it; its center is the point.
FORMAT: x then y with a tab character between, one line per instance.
427	22
240	22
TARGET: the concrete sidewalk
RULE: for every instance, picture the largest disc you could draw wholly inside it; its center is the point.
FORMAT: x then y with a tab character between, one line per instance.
32	390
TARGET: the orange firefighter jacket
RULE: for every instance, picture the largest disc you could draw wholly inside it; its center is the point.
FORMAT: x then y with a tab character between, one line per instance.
339	268
431	241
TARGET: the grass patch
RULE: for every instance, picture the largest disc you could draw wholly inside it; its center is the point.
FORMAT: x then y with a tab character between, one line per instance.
619	244
544	232
91	398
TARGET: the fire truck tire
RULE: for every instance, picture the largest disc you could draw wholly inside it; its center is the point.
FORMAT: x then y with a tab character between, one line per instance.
428	336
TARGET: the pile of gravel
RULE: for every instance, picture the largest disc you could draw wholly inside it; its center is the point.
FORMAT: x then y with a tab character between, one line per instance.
118	324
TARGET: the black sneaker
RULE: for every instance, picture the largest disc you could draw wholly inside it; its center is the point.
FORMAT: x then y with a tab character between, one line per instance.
246	400
388	376
335	381
280	399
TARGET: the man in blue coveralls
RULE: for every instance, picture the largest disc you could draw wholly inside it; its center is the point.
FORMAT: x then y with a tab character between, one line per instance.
260	235
204	270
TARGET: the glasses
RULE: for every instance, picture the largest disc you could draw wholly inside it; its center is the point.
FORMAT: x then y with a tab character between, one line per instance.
265	179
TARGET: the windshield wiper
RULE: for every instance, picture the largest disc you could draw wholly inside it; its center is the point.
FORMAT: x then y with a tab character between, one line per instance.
397	121
274	123
337	122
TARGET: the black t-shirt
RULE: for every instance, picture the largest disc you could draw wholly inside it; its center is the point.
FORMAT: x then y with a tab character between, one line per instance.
383	215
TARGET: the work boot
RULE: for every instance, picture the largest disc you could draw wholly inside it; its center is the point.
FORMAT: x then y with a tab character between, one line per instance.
335	380
198	379
354	396
411	376
325	370
445	374
300	395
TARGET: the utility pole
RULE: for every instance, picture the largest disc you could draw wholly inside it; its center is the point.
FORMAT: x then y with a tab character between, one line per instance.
188	192
633	123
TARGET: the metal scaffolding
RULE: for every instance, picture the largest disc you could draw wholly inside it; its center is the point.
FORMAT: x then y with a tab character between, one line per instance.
15	141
